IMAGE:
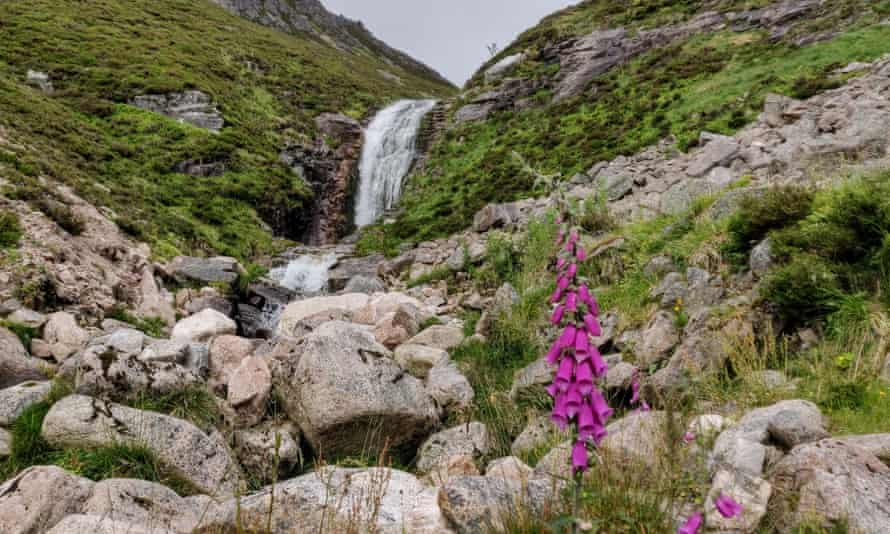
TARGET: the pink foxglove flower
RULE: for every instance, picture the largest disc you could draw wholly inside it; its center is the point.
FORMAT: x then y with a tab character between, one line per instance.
563	283
560	263
557	296
572	271
727	507
600	407
689	437
579	456
580	255
556	318
554	354
692	524
567	339
572	302
593	325
584	295
574	400
565	374
599	365
559	416
634	388
584	377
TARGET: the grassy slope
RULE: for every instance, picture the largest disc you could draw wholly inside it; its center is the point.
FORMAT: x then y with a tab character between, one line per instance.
713	82
102	53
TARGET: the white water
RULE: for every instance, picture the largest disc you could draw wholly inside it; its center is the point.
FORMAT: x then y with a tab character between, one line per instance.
307	275
387	155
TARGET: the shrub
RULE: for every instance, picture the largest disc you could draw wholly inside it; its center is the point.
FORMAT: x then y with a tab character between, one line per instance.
62	215
758	215
503	257
10	229
806	288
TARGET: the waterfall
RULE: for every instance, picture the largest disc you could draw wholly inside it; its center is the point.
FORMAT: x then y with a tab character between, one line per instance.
387	155
307	275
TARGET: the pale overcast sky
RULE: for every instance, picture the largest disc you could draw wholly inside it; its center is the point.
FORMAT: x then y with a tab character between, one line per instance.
449	35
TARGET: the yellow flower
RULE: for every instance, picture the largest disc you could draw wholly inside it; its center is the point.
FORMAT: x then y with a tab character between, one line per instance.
883	393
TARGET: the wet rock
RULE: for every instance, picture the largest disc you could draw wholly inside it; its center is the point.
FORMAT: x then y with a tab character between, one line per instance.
16	399
202	460
39	497
834	482
349	396
347	269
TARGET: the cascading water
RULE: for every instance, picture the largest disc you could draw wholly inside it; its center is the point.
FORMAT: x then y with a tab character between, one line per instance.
387	155
307	275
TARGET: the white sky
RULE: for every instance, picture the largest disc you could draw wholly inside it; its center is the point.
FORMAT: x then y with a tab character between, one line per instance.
448	35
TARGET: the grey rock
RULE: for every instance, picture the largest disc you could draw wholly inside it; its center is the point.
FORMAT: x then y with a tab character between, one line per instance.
221	269
142	504
192	107
440	337
457	261
540	432
250	386
79	523
637	439
761	260
509	468
40	80
64	335
419	359
718	152
470	439
297	311
204	461
269	447
530	381
751	493
832	481
39	497
482	504
102	371
791	428
126	341
203	326
16	399
658	339
659	266
364	284
877	444
349	268
348	395
16	366
165	351
496	216
334	499
449	388
5	444
619	377
505	298
500	68
26	317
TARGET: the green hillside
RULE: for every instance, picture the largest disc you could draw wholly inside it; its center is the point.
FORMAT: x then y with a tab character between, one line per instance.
709	82
268	85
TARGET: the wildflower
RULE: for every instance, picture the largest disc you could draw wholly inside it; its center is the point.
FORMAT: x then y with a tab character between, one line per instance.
572	302
601	409
554	354
556	318
560	263
593	325
689	437
599	365
580	255
564	374
579	456
727	507
573	270
692	524
573	401
568	336
557	296
635	388
563	283
584	377
560	416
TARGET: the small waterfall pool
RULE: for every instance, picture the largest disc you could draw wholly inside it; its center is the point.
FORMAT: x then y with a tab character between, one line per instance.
387	155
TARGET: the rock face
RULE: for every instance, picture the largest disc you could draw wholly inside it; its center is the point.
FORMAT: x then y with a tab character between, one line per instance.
832	481
348	395
335	500
16	366
192	107
204	461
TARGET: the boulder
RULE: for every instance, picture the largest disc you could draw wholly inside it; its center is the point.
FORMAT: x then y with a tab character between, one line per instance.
752	493
39	497
204	326
154	300
530	381
79	523
470	440
832	481
16	399
538	433
204	271
225	355
333	499
720	151
745	446
510	468
449	388
476	504
658	339
761	259
439	336
269	447
396	327
143	504
419	359
249	388
26	317
166	350
64	335
127	341
364	284
202	460
877	444
16	365
347	269
297	311
637	439
348	395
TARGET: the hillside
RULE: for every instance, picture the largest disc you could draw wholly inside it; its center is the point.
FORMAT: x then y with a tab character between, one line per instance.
602	79
179	187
